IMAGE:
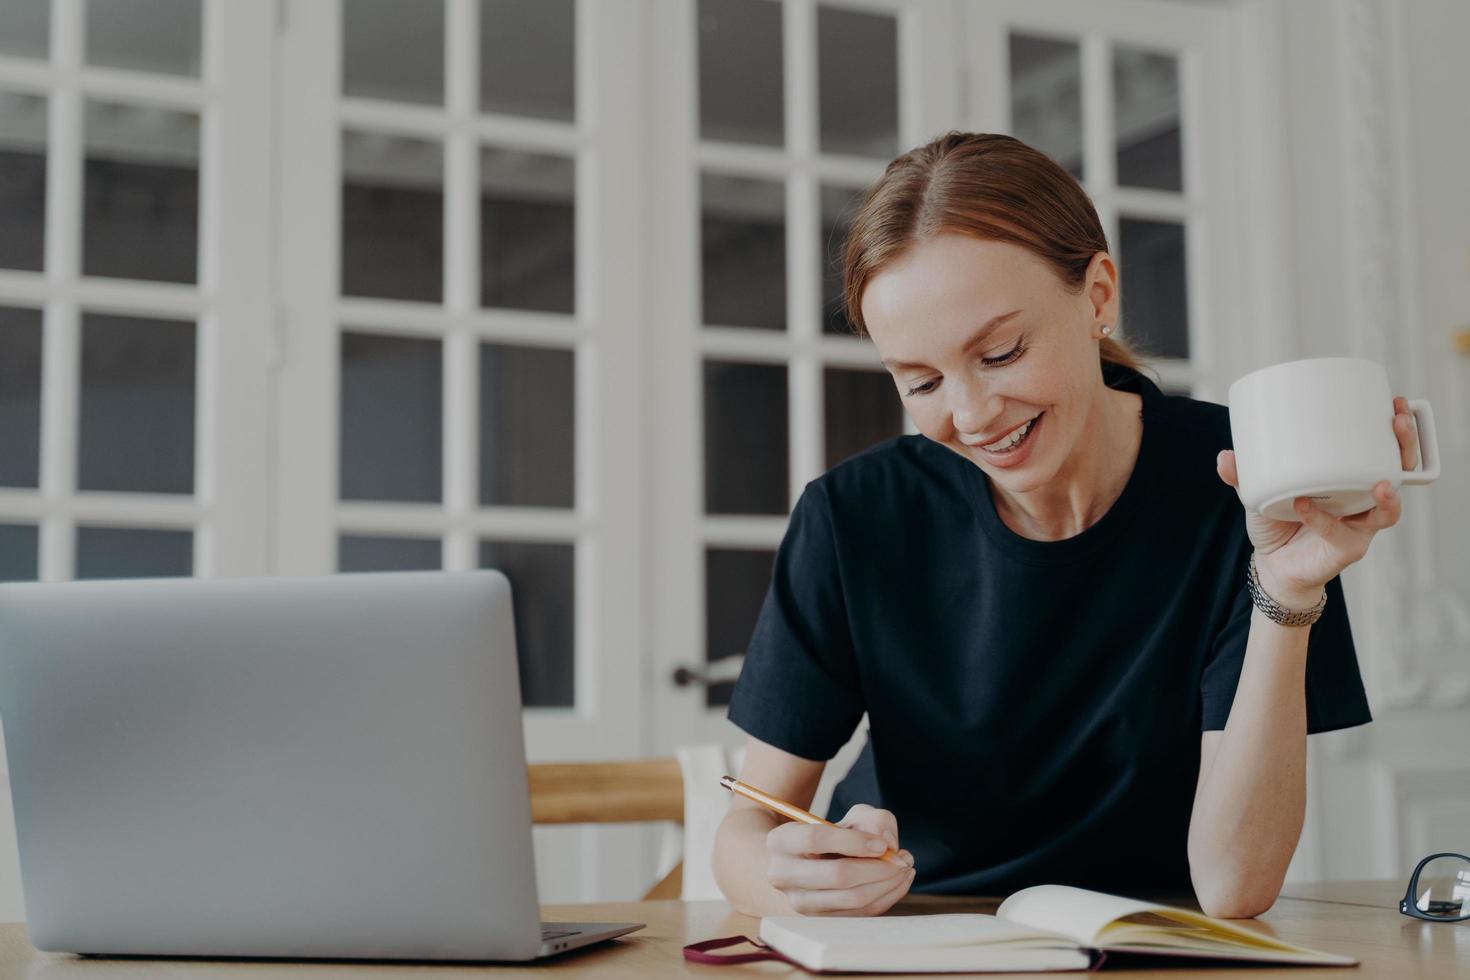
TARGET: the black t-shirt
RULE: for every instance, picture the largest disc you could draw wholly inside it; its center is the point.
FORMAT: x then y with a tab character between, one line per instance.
1034	707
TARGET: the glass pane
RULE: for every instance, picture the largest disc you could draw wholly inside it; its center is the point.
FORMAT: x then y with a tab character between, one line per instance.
393	50
368	553
744	251
528	58
745	438
1146	114
392	217
735	583
20	397
528	230
125	552
137	424
18	551
145	35
740	81
528	430
862	409
22	181
857	83
392	429
142	185
25	28
839	204
1046	97
541	582
1155	300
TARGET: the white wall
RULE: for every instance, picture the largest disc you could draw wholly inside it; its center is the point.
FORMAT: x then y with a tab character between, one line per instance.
1380	222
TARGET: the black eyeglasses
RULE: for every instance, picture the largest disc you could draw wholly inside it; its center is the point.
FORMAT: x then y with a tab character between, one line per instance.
1439	889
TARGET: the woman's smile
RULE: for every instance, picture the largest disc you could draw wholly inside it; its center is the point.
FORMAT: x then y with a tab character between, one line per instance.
1014	454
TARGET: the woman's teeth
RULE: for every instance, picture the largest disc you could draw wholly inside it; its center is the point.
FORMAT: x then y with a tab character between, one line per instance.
1010	440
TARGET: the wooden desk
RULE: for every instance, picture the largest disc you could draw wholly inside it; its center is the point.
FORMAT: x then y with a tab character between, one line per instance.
1360	919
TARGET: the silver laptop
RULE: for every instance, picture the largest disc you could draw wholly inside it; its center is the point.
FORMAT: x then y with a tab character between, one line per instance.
313	767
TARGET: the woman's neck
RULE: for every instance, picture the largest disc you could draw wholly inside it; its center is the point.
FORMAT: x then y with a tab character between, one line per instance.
1089	482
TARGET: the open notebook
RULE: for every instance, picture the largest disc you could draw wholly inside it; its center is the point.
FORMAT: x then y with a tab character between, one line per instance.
1048	927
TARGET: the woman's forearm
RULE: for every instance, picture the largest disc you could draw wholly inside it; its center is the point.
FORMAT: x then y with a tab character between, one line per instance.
1251	800
740	862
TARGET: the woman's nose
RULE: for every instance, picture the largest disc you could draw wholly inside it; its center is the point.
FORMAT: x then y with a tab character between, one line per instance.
971	409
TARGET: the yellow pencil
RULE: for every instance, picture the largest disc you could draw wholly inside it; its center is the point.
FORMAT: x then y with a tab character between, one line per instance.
793	812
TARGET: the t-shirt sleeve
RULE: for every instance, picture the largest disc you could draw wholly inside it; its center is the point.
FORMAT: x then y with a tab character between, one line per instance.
1335	697
798	688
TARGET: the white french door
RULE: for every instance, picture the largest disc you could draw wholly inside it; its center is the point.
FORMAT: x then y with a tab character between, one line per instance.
774	117
459	321
461	326
1136	99
134	245
775	113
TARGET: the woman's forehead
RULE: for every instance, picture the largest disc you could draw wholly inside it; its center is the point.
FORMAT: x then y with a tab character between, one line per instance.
956	281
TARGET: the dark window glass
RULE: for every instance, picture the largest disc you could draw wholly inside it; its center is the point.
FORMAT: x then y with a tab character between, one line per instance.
735	582
857	83
137	411
746	466
528	431
371	553
743	230
740	75
393	50
18	552
141	193
861	409
528	230
1147	119
145	35
1155	297
528	58
20	397
541	581
124	552
1046	97
392	217
839	204
391	445
25	29
22	179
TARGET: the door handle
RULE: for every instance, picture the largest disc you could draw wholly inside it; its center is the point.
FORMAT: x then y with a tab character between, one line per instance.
722	671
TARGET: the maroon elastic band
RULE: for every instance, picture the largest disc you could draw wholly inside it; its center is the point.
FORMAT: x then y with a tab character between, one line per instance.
700	952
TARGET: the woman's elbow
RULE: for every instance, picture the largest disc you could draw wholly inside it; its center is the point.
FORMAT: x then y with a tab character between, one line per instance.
1234	902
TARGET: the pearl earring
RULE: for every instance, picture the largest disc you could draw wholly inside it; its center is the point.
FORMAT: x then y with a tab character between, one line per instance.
1106	329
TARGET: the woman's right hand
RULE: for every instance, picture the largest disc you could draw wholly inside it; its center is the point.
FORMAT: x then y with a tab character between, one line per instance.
835	870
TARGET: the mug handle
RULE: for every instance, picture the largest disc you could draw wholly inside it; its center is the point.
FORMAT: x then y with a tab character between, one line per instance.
1428	470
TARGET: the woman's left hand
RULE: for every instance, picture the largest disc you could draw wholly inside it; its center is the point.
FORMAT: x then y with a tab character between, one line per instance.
1295	561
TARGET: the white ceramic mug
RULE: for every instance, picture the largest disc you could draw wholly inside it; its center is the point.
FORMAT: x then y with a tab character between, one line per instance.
1322	428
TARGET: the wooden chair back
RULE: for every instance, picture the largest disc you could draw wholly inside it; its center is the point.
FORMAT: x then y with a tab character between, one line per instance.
633	791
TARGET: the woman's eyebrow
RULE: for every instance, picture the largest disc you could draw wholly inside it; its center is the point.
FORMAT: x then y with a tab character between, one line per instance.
975	340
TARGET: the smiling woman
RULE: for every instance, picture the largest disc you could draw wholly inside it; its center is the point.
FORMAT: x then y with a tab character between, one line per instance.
1040	601
1021	396
986	224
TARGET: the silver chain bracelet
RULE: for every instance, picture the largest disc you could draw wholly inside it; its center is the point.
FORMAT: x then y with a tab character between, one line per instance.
1274	610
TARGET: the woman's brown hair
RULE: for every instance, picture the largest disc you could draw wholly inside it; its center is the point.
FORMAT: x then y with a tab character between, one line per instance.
987	185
